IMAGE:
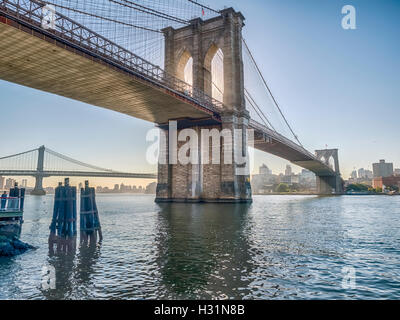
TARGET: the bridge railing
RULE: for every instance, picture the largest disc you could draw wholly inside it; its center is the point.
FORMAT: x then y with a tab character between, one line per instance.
277	136
31	12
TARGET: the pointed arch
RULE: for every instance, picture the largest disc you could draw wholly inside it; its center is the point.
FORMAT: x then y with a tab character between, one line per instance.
214	76
331	163
184	67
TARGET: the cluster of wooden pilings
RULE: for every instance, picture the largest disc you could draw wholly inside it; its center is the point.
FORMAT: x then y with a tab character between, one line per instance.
63	227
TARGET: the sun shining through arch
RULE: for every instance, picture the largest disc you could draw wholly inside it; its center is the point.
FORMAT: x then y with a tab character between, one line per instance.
217	75
214	73
185	67
188	72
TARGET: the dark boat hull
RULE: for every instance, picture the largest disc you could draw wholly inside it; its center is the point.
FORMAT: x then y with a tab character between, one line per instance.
11	223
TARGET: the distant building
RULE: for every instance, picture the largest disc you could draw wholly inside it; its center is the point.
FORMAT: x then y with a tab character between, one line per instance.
369	174
382	169
307	174
364	174
9	183
24	183
49	190
264	170
307	178
264	181
2	179
288	171
396	172
379	182
353	175
151	188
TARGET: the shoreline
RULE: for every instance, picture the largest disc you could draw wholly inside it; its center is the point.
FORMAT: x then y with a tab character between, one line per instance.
323	195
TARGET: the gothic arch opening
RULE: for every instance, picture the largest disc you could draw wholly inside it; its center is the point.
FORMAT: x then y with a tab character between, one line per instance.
331	163
185	67
214	73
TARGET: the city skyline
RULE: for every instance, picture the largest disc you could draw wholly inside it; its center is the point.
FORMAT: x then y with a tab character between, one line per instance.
357	173
340	103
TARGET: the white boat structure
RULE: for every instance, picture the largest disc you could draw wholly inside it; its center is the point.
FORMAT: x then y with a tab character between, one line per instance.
12	212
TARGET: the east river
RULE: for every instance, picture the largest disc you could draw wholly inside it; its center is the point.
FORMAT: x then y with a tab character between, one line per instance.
279	247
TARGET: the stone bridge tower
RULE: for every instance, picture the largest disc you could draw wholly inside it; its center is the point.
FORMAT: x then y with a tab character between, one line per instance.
209	181
332	184
39	190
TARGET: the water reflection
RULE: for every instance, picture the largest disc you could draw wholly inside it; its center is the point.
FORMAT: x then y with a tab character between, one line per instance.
72	270
279	247
203	250
61	246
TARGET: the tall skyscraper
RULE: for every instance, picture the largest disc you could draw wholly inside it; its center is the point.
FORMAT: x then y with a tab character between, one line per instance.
369	174
265	170
288	171
382	169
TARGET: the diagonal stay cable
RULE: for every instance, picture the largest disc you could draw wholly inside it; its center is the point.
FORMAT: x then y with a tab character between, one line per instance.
102	18
270	93
247	98
135	6
254	104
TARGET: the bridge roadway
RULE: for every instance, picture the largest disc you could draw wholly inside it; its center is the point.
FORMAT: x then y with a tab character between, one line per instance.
65	63
45	174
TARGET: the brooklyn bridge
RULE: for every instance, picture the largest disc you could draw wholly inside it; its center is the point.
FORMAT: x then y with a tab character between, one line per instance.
160	62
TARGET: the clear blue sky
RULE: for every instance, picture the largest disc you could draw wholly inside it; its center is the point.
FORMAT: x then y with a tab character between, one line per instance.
337	87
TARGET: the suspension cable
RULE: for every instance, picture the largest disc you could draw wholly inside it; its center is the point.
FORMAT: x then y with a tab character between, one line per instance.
102	18
144	9
270	93
59	155
252	103
203	6
18	154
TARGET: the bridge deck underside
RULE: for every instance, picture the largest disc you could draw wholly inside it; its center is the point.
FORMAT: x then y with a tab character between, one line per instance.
293	155
33	60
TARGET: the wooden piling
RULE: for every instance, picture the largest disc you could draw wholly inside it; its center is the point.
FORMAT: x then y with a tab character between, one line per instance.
90	227
63	224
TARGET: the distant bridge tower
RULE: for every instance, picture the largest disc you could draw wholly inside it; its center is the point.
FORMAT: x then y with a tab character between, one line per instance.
201	41
329	184
38	190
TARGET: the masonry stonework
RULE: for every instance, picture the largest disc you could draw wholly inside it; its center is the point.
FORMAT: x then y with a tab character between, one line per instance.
209	181
328	185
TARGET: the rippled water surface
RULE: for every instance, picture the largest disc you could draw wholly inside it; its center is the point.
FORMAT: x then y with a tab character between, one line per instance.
281	247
